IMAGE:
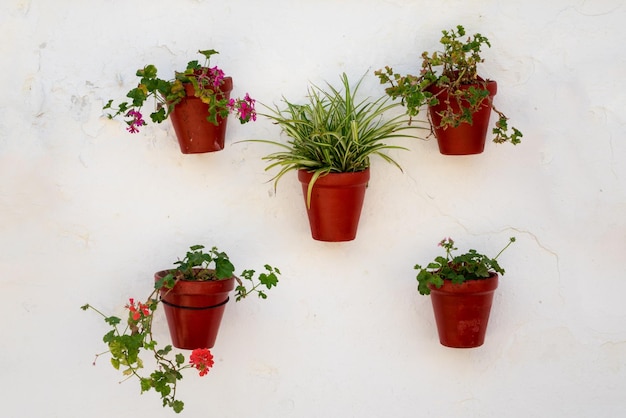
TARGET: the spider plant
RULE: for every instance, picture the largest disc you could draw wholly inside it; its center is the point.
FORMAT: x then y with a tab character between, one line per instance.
333	133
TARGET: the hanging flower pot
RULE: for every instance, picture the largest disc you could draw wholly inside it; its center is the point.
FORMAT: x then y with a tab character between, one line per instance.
194	297
194	132
333	136
194	310
459	101
197	100
462	311
467	138
335	204
461	289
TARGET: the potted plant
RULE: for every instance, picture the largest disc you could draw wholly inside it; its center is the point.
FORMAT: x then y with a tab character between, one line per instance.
333	136
197	100
458	99
461	290
194	295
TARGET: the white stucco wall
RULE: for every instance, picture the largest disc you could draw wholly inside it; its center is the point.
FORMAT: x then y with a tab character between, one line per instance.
88	212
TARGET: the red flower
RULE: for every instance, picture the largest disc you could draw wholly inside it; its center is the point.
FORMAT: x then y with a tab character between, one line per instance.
137	311
201	359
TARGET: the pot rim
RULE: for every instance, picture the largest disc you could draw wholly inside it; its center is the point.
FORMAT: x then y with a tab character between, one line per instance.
335	179
492	87
225	88
197	286
472	286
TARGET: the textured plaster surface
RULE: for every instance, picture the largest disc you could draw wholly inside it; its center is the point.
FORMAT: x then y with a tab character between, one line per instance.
88	212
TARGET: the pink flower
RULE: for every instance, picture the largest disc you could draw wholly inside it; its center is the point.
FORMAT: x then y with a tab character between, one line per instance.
217	75
244	108
136	122
249	107
446	242
201	359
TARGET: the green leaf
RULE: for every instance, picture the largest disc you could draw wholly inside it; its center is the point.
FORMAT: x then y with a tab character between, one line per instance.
158	116
178	406
115	362
458	278
163	389
138	94
146	384
482	271
208	53
165	350
166	281
109	336
112	320
224	268
269	280
149	71
180	359
433	265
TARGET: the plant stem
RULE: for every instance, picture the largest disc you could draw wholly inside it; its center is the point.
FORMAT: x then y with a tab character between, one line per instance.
511	241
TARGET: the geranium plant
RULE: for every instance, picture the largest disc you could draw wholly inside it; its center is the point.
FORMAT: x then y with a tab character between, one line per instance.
468	266
166	94
454	72
129	339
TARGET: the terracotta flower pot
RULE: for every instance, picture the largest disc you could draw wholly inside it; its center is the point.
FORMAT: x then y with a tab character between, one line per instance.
194	132
194	310
465	139
462	311
336	203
